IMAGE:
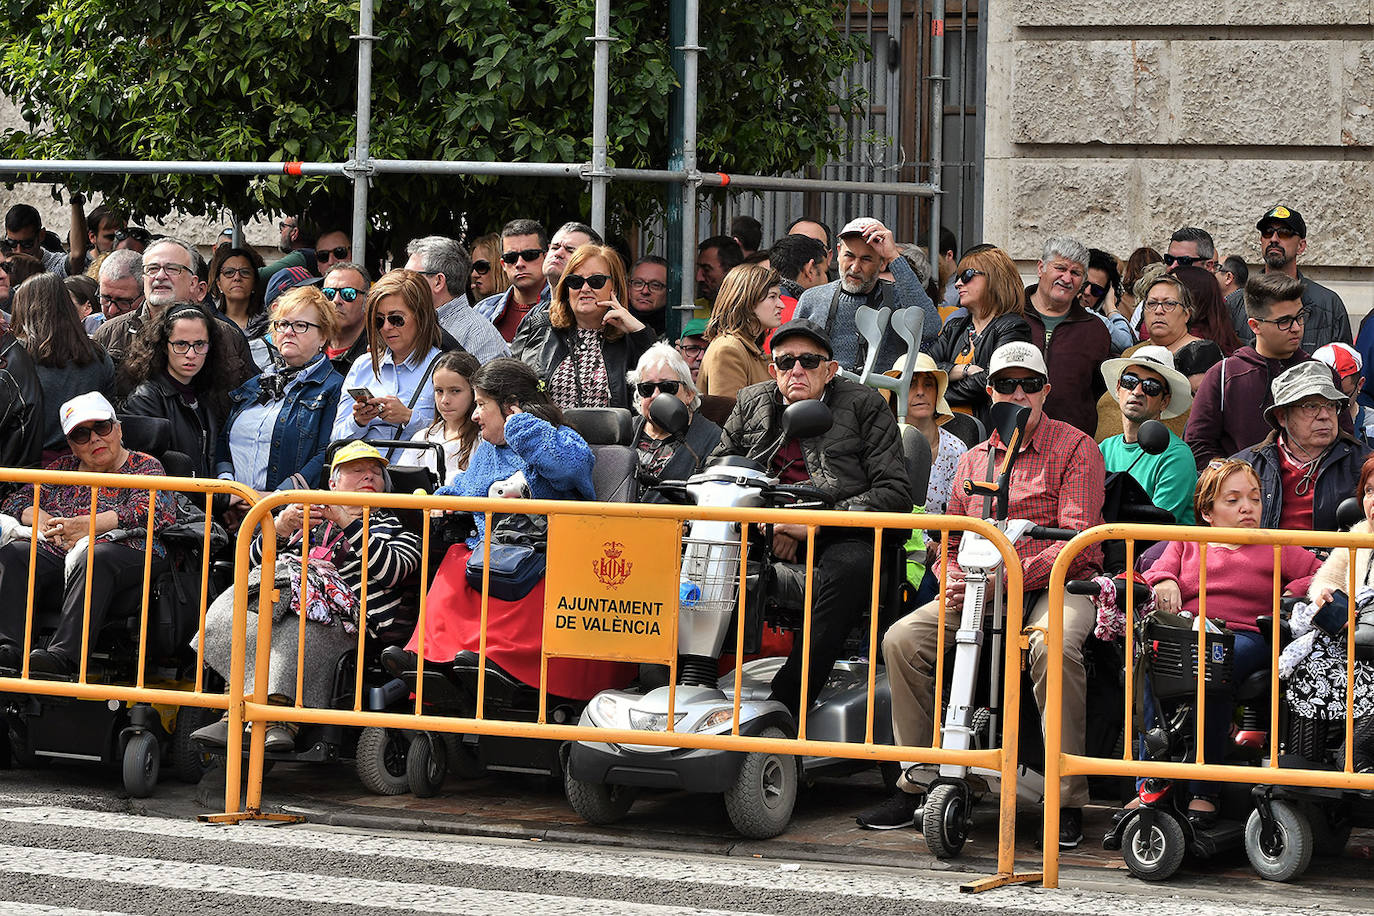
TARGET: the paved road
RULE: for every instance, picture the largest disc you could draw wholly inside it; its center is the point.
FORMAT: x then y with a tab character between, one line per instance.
58	858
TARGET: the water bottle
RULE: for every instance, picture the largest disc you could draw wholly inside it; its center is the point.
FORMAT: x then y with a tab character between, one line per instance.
688	594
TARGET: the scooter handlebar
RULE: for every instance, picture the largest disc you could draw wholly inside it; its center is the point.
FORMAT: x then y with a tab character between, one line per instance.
1081	587
1043	533
800	492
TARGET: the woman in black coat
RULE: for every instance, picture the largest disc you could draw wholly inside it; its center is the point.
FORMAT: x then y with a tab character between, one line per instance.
662	372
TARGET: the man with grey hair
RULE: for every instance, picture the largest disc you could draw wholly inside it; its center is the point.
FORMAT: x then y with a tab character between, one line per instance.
445	265
1191	247
662	372
569	237
121	283
1075	341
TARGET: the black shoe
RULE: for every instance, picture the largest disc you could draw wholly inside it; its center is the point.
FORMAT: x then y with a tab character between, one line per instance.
43	661
10	657
1201	818
1070	827
900	810
398	662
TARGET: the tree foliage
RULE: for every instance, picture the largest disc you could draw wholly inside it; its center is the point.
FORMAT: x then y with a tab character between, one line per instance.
501	80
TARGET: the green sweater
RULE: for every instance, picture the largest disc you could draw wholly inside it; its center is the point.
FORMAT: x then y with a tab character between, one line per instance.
1169	477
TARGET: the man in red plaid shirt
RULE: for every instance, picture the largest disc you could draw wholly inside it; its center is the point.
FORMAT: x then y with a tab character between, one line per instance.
1058	481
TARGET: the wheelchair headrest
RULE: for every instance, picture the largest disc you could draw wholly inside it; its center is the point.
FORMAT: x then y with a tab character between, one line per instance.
600	425
152	435
615	476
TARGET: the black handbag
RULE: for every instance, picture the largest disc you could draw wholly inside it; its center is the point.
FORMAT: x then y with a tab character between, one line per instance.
517	557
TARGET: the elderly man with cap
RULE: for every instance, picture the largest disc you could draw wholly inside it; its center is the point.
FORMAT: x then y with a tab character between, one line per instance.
1307	465
691	343
1283	238
1348	368
866	248
339	540
1058	480
62	523
1148	387
858	461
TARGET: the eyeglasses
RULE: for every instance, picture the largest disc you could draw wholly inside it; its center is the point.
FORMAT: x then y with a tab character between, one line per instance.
346	293
1097	291
295	327
1269	232
285	224
482	266
82	434
965	276
1162	305
1286	323
1312	408
1030	385
172	270
595	281
21	244
242	273
528	254
639	285
122	303
6	266
339	252
395	319
135	233
809	361
1182	260
691	349
1152	387
182	347
646	389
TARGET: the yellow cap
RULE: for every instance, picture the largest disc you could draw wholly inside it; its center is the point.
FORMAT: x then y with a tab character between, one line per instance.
353	451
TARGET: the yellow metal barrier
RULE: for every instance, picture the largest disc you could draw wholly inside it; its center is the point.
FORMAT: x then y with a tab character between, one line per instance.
1059	764
256	709
138	692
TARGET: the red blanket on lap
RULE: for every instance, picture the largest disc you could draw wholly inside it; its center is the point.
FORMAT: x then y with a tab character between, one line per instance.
515	629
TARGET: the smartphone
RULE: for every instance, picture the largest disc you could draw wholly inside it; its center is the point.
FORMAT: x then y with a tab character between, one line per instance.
360	394
1333	615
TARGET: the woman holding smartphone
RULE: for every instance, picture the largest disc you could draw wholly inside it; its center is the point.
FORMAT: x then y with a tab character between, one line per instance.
588	339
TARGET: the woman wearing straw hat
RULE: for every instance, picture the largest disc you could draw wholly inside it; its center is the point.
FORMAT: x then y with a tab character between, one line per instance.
927	410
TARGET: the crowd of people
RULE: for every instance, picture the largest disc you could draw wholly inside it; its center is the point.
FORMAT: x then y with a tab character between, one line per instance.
260	366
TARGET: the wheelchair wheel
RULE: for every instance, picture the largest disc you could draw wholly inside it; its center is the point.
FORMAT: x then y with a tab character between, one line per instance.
21	752
426	764
1330	828
142	761
761	800
598	803
381	760
189	759
463	758
945	820
1154	854
1289	852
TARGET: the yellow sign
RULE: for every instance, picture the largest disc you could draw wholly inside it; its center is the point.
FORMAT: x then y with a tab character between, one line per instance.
611	589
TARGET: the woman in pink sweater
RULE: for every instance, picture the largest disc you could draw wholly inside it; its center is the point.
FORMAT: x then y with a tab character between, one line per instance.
1240	579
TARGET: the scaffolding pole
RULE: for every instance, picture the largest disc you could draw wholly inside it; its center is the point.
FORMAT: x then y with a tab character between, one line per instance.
165	167
690	178
359	169
601	80
937	116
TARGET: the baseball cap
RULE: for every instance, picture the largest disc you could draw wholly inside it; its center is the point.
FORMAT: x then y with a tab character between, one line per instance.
855	227
288	278
694	328
353	451
1342	357
1020	355
85	408
800	327
1286	217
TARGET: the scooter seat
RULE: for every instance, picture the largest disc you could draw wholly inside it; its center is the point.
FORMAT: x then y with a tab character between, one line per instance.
503	689
1253	687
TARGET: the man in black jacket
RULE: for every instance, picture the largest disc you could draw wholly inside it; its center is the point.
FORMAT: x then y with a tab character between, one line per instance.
858	462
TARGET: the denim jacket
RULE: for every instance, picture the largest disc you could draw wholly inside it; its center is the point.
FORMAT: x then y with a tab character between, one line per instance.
301	433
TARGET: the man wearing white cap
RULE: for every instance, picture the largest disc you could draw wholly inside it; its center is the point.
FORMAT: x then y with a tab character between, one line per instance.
1058	481
1348	368
1148	387
866	248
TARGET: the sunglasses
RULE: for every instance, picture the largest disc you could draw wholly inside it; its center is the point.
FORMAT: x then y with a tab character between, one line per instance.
1286	323
1032	385
138	235
1270	231
346	293
809	361
1097	291
482	266
395	319
340	252
595	281
1182	260
1152	387
646	389
21	244
966	275
529	254
82	434
6	266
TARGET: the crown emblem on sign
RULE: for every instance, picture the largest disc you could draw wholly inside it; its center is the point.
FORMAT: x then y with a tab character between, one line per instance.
614	549
610	569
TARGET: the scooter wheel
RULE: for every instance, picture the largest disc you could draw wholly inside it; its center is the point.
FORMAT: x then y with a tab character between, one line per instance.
945	820
381	760
760	802
142	760
1289	852
1154	854
598	802
427	764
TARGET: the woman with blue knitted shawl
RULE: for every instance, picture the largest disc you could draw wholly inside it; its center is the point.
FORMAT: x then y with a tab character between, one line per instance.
521	433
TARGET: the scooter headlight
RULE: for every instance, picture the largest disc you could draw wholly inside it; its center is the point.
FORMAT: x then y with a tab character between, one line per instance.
653	721
716	718
604	709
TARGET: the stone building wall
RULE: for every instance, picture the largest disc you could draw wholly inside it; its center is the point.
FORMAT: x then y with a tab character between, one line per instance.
1119	122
